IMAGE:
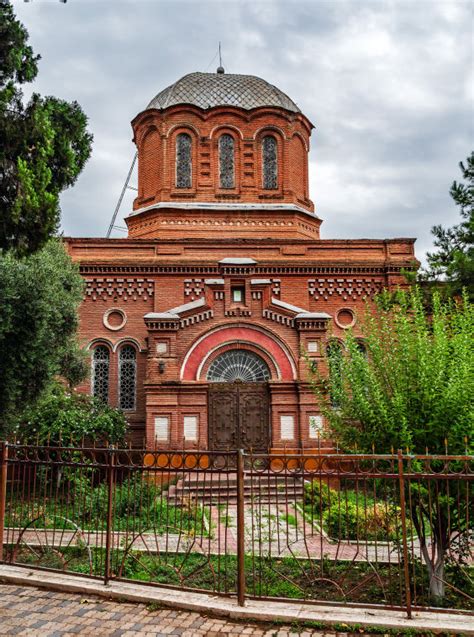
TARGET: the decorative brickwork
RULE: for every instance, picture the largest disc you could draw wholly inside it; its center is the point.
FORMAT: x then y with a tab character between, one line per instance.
345	288
124	289
193	288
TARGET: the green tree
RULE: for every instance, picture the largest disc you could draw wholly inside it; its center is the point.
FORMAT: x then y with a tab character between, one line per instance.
453	261
412	387
43	146
39	297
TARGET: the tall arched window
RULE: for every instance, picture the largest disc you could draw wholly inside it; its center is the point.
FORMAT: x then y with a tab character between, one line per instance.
100	373
226	161
127	377
270	162
183	161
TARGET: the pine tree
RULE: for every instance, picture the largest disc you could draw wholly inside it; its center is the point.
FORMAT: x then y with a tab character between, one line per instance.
44	145
454	259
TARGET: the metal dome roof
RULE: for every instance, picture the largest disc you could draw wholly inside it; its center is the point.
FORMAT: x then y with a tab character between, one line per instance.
207	90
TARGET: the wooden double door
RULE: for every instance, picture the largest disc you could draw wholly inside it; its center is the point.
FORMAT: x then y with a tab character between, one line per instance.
239	416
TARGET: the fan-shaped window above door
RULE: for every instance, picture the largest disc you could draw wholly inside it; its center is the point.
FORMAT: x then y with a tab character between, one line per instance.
238	364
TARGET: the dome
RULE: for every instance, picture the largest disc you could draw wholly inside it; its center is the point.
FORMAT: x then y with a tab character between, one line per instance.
207	90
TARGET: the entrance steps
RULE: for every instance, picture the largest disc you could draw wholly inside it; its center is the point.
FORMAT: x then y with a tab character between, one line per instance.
221	488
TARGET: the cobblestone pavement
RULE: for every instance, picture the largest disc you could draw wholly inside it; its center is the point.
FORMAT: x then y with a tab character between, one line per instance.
36	612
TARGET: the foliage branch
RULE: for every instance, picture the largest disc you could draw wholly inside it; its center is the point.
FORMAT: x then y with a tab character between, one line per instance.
412	388
43	146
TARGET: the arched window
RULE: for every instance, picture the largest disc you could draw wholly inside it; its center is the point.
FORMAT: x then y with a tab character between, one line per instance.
361	348
270	162
226	161
100	373
238	364
127	377
183	161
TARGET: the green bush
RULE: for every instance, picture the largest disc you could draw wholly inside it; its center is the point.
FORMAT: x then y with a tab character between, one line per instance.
61	416
133	498
353	519
349	514
319	495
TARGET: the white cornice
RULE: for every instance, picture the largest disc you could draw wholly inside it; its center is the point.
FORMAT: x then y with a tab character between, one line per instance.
217	206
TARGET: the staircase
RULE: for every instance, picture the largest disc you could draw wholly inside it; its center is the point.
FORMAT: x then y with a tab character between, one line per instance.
221	488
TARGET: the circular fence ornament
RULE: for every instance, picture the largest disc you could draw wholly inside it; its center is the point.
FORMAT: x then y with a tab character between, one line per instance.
239	365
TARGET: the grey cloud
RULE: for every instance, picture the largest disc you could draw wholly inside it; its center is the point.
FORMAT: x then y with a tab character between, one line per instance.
387	84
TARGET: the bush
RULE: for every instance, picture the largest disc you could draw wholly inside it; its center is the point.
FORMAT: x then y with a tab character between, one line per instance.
346	519
319	495
351	515
134	497
61	416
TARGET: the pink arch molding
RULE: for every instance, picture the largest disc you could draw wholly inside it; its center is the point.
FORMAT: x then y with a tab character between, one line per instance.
230	335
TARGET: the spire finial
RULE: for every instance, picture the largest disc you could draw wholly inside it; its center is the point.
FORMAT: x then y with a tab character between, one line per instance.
220	68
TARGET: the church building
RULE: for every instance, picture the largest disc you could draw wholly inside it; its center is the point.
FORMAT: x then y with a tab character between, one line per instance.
200	323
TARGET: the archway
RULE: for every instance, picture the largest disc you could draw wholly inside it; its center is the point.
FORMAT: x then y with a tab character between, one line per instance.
238	401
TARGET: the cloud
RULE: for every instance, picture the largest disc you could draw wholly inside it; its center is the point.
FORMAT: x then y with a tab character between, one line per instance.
387	83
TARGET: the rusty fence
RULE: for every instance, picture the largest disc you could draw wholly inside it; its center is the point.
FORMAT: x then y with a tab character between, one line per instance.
372	530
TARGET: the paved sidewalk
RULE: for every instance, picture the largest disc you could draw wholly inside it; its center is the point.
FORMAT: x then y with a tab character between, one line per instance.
34	612
247	620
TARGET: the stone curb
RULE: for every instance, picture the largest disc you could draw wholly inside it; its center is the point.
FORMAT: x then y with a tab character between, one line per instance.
254	610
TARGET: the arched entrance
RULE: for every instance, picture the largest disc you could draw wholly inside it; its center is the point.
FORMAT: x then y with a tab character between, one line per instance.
238	403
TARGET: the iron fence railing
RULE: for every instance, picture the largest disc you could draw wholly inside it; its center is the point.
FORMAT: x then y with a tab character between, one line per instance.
393	530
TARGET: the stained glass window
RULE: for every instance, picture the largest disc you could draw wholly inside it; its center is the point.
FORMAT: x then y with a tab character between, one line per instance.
183	161
238	364
127	377
100	373
270	163
226	161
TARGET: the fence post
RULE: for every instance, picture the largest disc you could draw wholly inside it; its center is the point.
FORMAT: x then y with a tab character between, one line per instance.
3	493
240	529
110	511
401	482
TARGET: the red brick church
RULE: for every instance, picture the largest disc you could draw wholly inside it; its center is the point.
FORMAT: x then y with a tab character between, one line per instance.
197	322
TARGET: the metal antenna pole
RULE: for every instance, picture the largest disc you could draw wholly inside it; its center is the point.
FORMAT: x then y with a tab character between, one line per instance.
122	194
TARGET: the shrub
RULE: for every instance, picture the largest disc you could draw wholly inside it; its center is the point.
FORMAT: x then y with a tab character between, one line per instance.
354	519
68	417
319	495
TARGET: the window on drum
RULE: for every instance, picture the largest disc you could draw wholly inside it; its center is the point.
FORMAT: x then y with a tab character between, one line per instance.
270	162
226	161
183	161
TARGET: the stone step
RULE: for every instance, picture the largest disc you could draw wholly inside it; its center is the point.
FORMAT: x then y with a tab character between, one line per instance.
273	489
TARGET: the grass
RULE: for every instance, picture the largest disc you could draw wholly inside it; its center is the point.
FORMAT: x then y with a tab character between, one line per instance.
138	506
287	578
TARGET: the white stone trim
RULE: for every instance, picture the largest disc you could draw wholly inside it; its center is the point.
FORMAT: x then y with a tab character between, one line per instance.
264	207
300	313
176	311
237	261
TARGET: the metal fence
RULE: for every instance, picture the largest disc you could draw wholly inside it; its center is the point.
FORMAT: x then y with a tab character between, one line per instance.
392	530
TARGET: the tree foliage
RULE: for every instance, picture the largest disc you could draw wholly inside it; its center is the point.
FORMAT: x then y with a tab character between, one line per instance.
43	146
454	258
39	297
63	417
412	386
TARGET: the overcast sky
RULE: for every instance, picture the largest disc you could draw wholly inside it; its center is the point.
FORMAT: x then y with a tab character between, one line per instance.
388	85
